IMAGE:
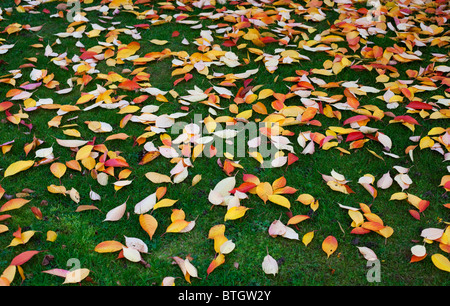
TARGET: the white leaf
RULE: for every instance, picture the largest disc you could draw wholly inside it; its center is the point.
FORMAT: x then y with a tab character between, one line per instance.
146	204
419	250
226	134
131	254
94	196
215	197
270	265
277	228
385	140
367	253
116	213
290	234
190	268
385	181
225	185
227	247
432	233
136	243
337	176
279	161
43	153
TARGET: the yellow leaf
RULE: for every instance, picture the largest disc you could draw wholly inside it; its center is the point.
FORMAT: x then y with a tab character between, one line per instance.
315	205
265	93
216	230
305	199
164	203
235	212
72	132
426	142
51	236
264	190
24	238
85	98
196	179
3	228
386	231
280	200
158	178
398	196
56	189
357	217
337	187
307	238
177	226
441	262
158	42
18	166
84	152
9	273
218	241
436	131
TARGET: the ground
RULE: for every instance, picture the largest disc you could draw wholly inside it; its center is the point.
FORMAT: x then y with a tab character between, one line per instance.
357	93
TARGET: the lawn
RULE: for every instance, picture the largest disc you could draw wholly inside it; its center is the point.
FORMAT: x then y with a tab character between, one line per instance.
354	109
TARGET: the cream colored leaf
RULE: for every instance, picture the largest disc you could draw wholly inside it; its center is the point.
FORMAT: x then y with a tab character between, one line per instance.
116	213
270	265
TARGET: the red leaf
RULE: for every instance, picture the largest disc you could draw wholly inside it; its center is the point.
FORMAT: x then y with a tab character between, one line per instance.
291	159
23	258
88	55
416	258
415	214
244	187
354	136
419	105
355	119
229	43
268	39
407	119
423	205
116	162
142	25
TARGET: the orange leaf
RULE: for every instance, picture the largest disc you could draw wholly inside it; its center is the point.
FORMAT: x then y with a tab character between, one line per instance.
108	246
260	108
329	245
417	258
359	231
74	165
13	204
297	219
58	169
220	259
373	226
148	224
37	212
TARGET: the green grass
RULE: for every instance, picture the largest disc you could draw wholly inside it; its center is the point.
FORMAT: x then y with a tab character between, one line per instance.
79	232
